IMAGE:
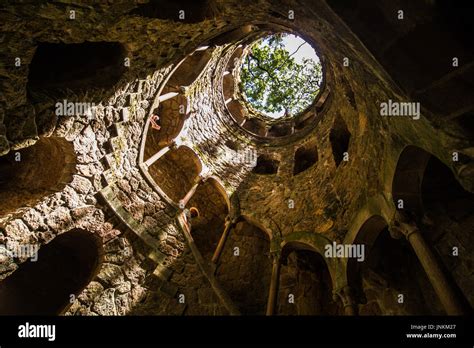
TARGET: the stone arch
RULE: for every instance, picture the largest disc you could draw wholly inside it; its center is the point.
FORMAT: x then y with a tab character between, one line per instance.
246	276
370	230
305	157
408	176
324	98
228	86
390	269
64	267
305	282
448	211
77	67
254	222
190	68
238	34
443	211
440	191
236	55
29	174
172	113
366	235
255	126
421	179
318	243
377	205
176	171
217	182
305	120
237	111
211	200
280	130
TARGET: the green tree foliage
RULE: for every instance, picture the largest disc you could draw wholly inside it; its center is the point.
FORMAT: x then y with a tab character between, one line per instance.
273	82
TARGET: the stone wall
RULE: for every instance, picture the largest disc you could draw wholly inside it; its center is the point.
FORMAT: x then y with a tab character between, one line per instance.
244	268
147	263
304	289
393	281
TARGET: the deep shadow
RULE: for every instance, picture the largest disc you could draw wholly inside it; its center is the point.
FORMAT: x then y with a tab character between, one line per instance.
64	267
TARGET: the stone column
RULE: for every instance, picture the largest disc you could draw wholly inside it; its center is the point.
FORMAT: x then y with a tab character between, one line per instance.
345	295
201	48
191	192
437	278
159	154
217	253
274	282
167	96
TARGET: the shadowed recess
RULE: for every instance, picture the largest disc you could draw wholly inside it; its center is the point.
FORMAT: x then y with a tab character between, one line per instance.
186	11
339	138
305	283
32	173
305	157
78	67
207	228
244	269
190	69
176	171
266	165
63	268
392	269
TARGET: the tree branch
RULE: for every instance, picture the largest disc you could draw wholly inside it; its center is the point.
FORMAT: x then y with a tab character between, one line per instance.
273	77
278	67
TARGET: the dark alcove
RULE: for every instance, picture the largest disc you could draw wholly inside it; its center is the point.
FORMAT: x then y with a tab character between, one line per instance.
266	165
339	138
59	66
63	268
305	157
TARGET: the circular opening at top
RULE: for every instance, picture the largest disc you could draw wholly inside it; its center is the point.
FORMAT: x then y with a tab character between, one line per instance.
281	75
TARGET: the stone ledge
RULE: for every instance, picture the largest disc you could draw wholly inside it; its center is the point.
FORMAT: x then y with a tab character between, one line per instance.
108	195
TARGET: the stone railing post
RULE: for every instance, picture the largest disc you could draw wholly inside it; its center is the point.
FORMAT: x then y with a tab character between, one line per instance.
274	283
345	295
220	246
430	264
